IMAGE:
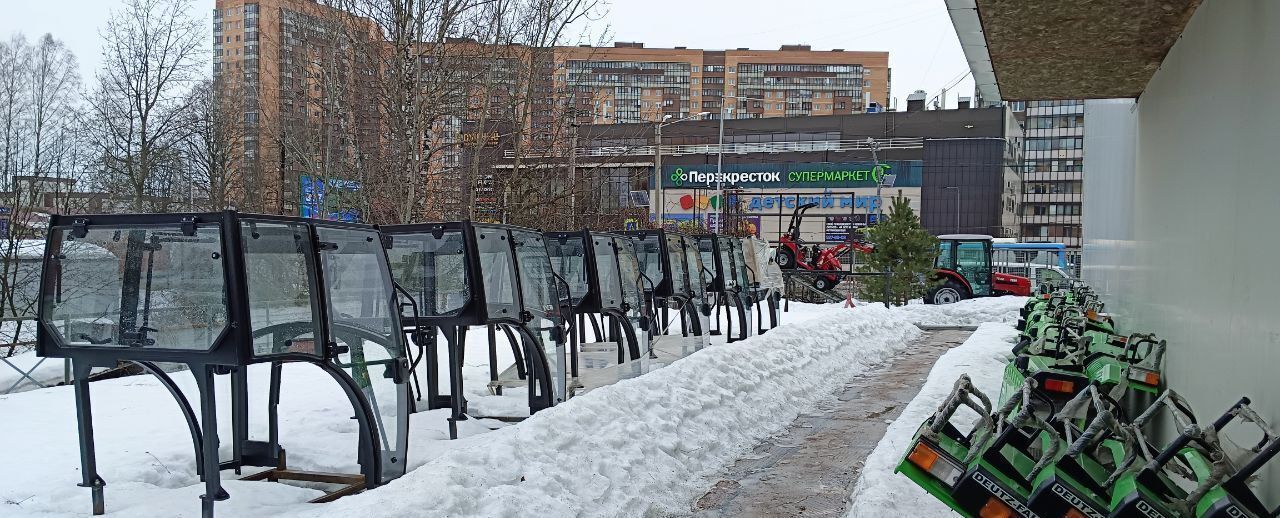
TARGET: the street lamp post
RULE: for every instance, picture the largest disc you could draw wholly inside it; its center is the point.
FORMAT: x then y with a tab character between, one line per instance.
875	159
957	188
657	164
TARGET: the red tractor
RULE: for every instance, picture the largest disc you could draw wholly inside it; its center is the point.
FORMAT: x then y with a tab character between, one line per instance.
794	253
964	270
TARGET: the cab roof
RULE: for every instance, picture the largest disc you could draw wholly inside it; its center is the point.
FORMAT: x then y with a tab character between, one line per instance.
965	237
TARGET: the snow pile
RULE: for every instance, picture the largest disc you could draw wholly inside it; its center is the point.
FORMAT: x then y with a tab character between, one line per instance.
970	312
643	446
880	491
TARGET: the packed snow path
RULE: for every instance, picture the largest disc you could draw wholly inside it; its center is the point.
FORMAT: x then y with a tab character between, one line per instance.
646	446
810	469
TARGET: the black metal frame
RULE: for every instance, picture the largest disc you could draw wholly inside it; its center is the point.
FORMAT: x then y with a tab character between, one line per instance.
669	291
613	318
532	361
230	353
728	294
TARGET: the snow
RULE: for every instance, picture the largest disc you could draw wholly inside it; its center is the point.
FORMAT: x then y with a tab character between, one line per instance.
971	312
49	372
643	446
880	491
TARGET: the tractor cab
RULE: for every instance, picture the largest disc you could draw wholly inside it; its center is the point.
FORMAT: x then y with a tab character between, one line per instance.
610	336
463	274
678	296
238	296
728	285
766	280
963	270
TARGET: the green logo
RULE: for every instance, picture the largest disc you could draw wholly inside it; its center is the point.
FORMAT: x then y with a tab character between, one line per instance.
878	171
677	177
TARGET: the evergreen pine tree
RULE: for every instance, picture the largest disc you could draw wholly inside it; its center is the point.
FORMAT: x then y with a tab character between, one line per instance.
903	245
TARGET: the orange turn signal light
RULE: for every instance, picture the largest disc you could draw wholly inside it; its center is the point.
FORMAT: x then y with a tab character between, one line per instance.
994	508
1074	513
1066	387
923	456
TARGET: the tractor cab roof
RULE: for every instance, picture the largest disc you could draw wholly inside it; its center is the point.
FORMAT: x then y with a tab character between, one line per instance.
965	237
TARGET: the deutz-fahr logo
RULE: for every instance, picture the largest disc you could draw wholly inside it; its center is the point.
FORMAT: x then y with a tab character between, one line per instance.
1004	496
1147	510
1076	501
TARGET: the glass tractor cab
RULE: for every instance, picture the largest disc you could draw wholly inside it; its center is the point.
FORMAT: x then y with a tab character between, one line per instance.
675	268
605	281
963	271
766	280
729	285
463	274
221	293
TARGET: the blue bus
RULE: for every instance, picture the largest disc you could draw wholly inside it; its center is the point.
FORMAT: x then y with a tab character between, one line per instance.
1037	253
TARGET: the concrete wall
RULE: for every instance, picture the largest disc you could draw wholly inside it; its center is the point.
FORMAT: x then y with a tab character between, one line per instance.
1198	265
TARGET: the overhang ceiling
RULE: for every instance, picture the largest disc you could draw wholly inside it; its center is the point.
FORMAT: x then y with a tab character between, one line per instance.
1066	49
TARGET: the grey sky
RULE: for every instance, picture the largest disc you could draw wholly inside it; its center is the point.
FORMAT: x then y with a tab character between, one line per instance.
923	50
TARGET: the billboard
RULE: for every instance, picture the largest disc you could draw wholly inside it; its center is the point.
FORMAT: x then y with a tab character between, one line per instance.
330	199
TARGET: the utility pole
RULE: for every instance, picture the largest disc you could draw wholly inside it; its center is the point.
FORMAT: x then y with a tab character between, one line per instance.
720	169
657	163
875	158
573	174
657	174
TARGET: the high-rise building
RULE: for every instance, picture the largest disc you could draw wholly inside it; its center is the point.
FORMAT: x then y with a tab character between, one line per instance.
294	72
1053	172
628	83
309	102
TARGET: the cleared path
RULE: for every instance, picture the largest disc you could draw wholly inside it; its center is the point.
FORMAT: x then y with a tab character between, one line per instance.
810	469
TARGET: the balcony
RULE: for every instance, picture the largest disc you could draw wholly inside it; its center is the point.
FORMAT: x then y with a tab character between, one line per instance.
1055	153
1056	132
1071	242
1049	219
1055	110
1052	198
735	147
1053	176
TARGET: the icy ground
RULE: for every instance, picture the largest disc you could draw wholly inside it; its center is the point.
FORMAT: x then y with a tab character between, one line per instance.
880	491
641	447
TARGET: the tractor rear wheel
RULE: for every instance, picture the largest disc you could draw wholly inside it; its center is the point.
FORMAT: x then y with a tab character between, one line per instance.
949	293
786	258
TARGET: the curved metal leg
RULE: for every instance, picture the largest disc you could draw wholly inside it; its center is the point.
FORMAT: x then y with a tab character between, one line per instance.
193	424
370	460
492	330
521	370
595	326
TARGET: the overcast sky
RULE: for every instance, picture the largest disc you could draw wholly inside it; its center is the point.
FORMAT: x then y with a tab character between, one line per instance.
923	50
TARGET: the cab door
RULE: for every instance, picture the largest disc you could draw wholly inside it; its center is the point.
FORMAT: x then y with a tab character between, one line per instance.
973	261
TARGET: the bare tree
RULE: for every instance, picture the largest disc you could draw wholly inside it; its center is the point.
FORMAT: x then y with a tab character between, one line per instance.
215	144
39	89
152	53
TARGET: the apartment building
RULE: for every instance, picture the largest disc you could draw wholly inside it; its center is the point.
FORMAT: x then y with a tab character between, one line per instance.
1053	171
297	79
628	83
291	67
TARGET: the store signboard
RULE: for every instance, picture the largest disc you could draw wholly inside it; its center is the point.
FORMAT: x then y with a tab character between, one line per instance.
837	227
800	175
